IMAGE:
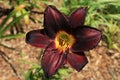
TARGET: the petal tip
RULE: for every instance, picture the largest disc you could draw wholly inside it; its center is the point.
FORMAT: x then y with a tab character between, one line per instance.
27	39
77	18
50	7
81	67
77	60
83	8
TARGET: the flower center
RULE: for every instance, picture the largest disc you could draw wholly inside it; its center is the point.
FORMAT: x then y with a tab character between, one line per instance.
64	40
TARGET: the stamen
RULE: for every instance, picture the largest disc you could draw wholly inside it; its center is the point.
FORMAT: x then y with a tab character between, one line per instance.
63	40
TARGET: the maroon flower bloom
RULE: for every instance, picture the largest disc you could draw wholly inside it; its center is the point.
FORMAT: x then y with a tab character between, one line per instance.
64	38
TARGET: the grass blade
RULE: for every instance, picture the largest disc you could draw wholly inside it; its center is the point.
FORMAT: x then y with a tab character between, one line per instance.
11	24
13	36
6	19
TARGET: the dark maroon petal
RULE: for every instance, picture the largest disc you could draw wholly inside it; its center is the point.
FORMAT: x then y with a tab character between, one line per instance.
77	61
52	60
54	20
37	38
77	18
86	38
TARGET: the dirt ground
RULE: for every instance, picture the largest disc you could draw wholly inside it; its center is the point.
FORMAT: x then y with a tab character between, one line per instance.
104	64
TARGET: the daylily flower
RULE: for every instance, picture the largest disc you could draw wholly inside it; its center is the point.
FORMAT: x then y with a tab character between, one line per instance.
65	39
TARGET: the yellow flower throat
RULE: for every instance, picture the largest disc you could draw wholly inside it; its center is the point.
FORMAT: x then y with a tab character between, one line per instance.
64	40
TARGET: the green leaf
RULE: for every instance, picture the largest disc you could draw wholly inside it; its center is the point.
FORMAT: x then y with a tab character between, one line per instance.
28	74
11	24
6	19
63	72
114	16
13	36
7	46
